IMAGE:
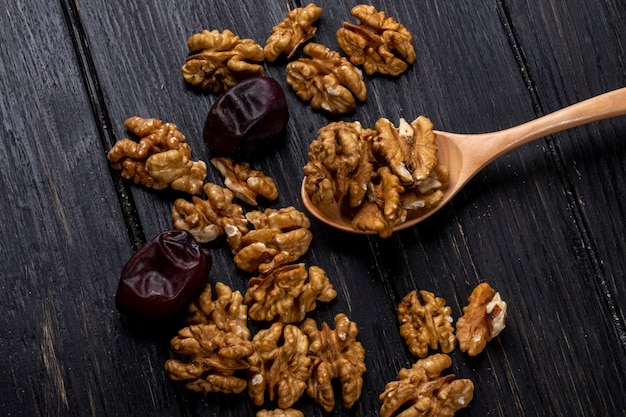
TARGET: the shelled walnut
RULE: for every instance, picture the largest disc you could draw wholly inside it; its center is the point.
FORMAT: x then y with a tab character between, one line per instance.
160	159
273	243
379	43
422	391
340	164
220	60
279	412
335	354
426	324
483	319
216	356
383	210
246	183
207	219
326	79
288	293
295	29
227	312
279	365
286	218
409	149
377	177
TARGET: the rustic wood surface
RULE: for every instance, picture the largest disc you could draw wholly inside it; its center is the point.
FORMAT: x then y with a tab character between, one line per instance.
544	225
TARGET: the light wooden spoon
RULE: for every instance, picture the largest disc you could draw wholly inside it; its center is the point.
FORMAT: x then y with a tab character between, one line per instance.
466	154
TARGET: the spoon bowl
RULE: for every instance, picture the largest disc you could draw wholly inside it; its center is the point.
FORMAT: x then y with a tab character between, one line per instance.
466	154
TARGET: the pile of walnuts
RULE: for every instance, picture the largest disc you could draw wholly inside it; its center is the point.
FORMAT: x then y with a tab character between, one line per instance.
279	363
426	325
293	355
375	176
329	81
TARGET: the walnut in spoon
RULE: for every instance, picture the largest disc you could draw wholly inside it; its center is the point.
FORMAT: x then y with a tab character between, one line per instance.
381	180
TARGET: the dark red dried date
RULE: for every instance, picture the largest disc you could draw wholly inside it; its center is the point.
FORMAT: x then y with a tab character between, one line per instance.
248	119
162	276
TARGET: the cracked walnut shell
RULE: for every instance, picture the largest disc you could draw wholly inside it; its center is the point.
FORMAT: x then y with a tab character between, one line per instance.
483	319
288	293
335	354
326	79
246	183
215	358
160	159
220	60
426	323
295	29
422	391
378	43
279	365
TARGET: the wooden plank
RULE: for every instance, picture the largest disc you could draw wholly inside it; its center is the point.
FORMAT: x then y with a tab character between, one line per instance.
513	227
581	55
64	350
466	243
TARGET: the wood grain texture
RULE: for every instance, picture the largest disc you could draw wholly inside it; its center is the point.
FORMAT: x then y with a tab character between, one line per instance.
544	225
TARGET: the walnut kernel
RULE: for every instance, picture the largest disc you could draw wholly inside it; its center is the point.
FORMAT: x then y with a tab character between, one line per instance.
426	324
422	391
207	219
215	358
340	164
219	61
279	365
483	319
326	79
379	43
286	295
160	159
174	168
295	29
244	182
336	354
279	412
272	243
227	312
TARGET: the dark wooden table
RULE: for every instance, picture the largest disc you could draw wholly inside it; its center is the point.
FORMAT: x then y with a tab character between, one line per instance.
544	225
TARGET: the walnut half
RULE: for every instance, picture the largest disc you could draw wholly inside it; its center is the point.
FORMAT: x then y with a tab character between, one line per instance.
483	319
379	43
295	29
280	237
279	412
207	219
246	183
422	391
215	358
220	60
326	79
426	324
335	354
279	365
160	159
288	293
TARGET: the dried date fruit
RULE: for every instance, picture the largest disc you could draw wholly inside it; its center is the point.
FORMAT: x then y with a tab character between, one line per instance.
247	119
162	276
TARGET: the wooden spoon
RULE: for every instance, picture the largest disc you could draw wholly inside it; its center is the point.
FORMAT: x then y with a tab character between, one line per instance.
465	155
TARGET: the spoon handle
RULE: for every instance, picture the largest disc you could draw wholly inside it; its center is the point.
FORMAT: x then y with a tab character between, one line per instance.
603	106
